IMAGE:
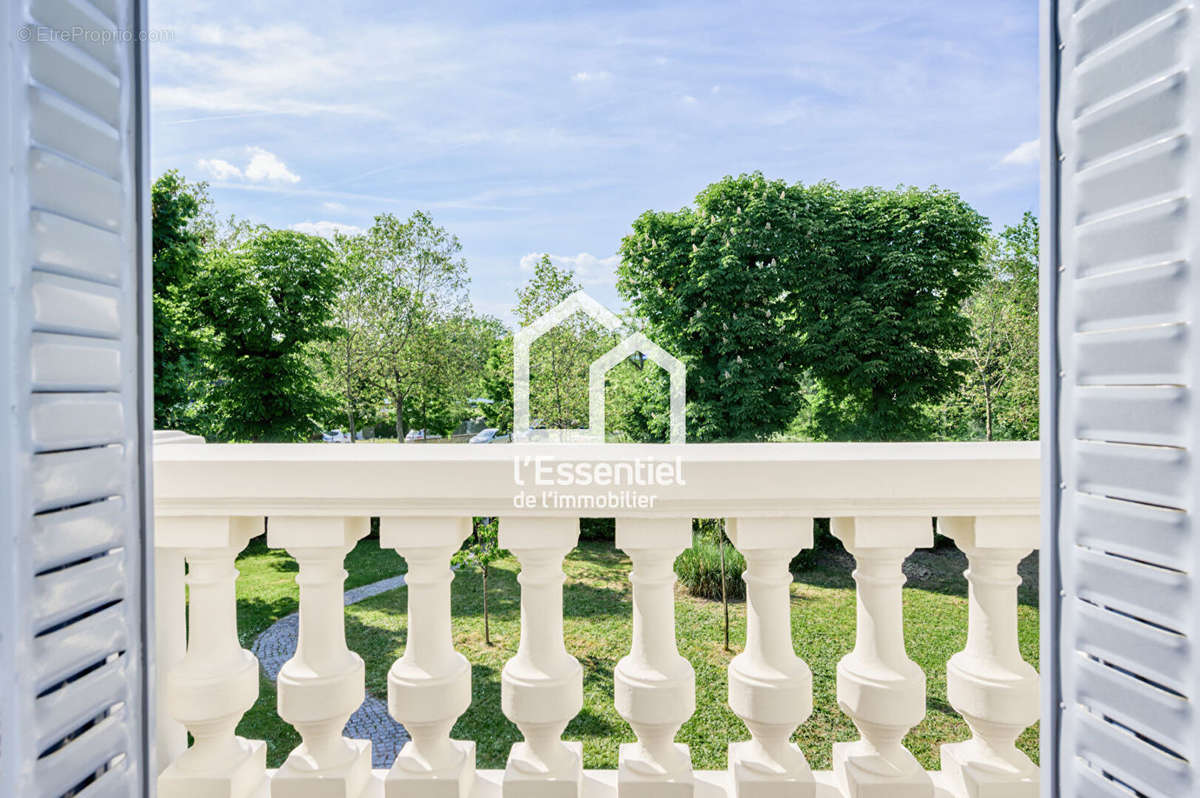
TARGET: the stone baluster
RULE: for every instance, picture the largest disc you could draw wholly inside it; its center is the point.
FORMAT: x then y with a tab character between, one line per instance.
217	680
542	686
770	688
988	683
170	644
653	686
878	686
322	685
430	686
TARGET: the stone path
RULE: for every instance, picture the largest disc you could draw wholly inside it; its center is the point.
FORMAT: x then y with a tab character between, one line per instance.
371	721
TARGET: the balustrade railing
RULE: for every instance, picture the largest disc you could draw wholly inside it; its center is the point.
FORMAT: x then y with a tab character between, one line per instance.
883	499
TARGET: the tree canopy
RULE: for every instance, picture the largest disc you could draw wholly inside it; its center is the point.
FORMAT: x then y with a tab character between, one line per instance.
763	285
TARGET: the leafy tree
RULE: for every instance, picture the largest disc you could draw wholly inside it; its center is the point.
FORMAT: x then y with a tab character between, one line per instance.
1001	396
559	359
414	280
480	551
496	384
178	214
764	286
266	303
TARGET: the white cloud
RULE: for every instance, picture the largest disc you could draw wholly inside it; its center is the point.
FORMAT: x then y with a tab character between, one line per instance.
219	169
585	77
335	207
326	229
265	167
689	99
589	269
1024	154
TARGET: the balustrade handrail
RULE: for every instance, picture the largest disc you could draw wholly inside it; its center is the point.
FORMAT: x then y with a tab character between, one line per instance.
721	480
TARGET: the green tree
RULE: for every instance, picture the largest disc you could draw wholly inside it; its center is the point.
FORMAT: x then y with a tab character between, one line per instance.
266	303
1000	399
480	551
764	287
178	241
414	281
559	359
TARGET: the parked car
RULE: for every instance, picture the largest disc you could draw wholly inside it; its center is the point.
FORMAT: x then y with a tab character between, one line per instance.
489	435
421	435
335	436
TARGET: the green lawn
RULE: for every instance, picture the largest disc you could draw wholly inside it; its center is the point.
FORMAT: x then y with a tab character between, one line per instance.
597	604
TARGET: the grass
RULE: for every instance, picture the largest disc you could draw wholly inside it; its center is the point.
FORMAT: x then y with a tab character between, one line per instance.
267	591
597	606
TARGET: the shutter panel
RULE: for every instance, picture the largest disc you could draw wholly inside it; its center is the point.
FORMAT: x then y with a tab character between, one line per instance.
1122	556
74	334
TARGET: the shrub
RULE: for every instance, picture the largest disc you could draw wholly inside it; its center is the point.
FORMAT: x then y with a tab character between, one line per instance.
601	529
699	569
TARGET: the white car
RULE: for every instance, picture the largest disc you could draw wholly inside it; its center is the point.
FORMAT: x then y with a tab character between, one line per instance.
489	435
421	435
335	436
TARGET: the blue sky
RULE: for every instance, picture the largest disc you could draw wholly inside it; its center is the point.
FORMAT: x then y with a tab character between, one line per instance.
546	126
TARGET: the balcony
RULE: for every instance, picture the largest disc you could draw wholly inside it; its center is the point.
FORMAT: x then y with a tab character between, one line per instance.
883	499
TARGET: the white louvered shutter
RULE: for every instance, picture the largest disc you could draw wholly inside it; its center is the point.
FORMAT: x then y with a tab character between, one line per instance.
74	331
1122	566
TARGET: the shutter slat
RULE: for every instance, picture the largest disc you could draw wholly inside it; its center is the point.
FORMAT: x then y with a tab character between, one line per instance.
1151	474
1153	534
59	125
1156	416
74	420
1149	48
68	536
1139	356
68	188
65	479
1152	653
1139	297
67	305
74	363
65	652
1149	592
69	592
74	248
117	782
58	712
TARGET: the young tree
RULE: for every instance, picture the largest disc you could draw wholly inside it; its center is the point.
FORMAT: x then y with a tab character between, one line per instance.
559	359
178	213
1001	395
481	550
266	303
413	280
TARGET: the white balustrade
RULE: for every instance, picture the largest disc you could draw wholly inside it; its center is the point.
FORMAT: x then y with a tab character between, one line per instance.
214	684
542	686
878	686
988	682
429	687
654	688
322	684
211	499
770	688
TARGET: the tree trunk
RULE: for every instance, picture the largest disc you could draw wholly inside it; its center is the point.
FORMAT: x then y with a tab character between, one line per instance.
399	400
350	420
987	409
487	636
724	594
